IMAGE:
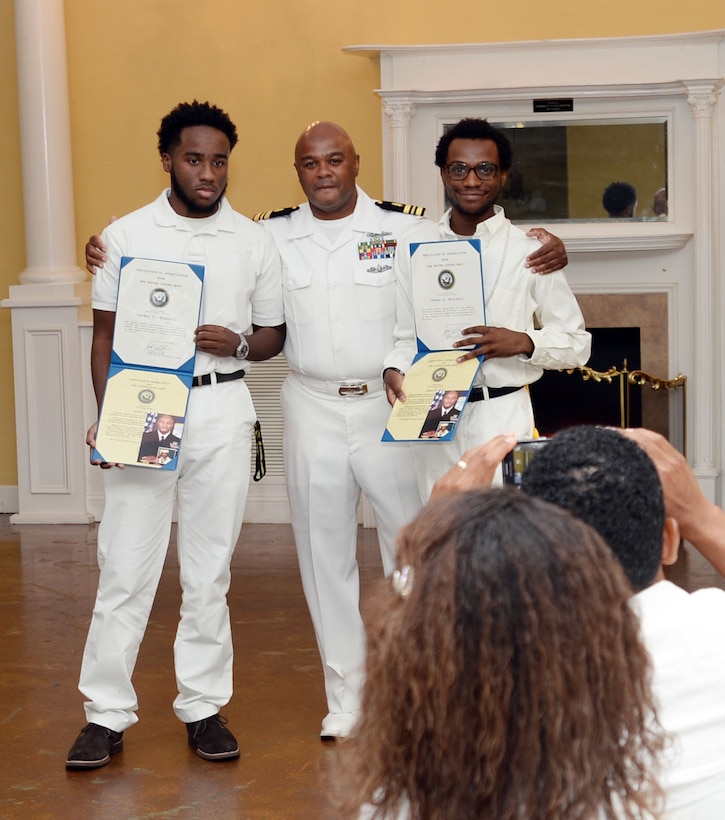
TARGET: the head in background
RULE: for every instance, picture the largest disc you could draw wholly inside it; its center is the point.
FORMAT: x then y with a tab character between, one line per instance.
620	200
659	202
504	670
610	483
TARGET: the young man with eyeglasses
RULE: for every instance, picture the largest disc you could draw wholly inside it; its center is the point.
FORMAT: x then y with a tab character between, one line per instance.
533	321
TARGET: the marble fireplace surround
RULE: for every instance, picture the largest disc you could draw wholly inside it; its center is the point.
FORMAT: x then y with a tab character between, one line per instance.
662	276
662	410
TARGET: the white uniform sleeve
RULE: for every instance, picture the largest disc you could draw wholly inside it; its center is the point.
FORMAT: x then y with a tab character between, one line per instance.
405	347
562	340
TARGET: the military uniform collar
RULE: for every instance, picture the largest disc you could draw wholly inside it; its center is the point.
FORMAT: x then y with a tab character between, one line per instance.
365	217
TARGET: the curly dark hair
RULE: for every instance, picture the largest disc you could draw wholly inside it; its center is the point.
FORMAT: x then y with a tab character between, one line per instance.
618	197
610	483
508	680
472	128
187	115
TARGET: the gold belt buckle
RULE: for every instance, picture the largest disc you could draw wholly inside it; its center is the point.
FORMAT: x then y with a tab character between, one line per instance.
353	389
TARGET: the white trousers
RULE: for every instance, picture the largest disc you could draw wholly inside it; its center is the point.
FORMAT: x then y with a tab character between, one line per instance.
333	450
211	482
480	422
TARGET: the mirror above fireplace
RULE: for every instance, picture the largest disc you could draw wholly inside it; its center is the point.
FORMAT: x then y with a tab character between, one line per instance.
587	170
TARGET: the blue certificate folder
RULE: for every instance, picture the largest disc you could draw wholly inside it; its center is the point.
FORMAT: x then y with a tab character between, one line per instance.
143	412
448	296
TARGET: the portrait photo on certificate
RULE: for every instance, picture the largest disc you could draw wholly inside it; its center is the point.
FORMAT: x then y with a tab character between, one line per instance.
152	363
436	387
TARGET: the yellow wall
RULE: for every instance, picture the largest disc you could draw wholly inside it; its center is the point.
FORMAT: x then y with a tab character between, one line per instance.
275	67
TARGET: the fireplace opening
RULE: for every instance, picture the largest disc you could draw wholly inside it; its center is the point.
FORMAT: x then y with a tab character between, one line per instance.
564	399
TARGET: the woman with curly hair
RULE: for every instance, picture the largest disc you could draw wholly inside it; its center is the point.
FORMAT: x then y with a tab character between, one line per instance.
505	674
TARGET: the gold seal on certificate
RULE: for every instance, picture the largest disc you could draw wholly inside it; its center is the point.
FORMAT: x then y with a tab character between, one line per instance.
152	363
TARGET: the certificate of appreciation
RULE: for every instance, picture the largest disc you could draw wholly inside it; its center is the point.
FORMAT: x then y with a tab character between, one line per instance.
447	279
152	363
157	313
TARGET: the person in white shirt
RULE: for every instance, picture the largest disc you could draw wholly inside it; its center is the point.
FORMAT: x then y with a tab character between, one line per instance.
533	322
241	319
611	483
638	492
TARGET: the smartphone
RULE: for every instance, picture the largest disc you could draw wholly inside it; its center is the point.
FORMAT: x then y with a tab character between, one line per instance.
517	460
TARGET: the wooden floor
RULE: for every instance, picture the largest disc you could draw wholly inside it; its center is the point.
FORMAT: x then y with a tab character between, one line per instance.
48	578
47	584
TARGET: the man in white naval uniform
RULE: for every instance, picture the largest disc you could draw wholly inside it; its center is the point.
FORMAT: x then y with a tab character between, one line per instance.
339	293
533	321
190	222
337	254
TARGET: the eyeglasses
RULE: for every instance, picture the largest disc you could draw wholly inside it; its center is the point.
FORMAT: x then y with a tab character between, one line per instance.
460	171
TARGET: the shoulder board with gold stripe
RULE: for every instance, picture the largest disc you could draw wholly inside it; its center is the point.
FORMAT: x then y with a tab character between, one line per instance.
401	207
273	214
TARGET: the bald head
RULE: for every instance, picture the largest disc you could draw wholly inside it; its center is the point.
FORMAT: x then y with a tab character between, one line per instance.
327	167
322	131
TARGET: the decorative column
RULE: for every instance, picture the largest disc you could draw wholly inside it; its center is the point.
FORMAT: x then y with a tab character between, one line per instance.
45	141
703	97
399	114
51	303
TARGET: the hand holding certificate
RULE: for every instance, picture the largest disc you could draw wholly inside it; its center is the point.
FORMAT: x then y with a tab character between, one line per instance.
152	363
447	278
436	387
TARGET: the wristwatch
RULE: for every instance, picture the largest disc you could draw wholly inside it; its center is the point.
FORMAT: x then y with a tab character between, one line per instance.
243	350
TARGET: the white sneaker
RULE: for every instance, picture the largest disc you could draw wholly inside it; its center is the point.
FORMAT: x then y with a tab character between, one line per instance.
338	724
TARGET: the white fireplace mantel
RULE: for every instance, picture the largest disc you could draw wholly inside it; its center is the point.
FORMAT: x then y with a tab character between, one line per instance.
594	62
673	78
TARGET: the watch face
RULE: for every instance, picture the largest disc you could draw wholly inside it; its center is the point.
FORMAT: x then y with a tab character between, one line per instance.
243	349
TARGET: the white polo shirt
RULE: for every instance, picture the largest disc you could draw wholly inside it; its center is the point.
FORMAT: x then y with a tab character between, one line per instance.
242	273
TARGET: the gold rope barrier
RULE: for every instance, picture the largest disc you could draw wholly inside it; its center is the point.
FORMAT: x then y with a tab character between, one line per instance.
638	378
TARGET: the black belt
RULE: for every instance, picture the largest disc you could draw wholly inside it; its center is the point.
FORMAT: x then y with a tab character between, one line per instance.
200	381
477	393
